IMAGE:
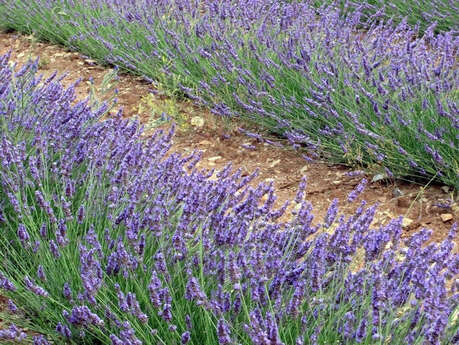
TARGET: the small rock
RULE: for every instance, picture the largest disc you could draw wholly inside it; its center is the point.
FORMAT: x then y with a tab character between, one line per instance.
445	189
197	121
396	192
303	169
378	177
213	159
336	183
388	214
445	217
406	222
273	164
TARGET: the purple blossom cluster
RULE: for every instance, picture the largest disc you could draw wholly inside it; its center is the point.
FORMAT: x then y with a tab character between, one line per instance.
12	333
128	243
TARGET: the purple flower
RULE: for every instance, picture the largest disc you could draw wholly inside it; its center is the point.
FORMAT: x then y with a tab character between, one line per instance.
185	337
12	333
83	316
6	284
155	290
360	333
301	189
41	273
115	340
331	213
43	230
194	292
23	235
188	322
64	330
12	307
223	332
38	290
81	213
357	191
40	340
67	292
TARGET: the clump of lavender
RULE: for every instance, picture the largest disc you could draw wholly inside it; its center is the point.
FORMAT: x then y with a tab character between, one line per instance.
444	13
163	254
420	13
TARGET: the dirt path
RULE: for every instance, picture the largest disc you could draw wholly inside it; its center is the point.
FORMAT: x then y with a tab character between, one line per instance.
221	144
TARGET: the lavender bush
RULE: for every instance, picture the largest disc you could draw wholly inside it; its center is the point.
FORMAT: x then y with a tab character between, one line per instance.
417	12
380	97
445	13
107	238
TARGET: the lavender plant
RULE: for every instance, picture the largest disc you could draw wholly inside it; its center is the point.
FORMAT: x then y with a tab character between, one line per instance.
108	238
445	13
383	98
422	13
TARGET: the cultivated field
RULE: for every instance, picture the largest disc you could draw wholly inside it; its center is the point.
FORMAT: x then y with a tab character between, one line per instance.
113	234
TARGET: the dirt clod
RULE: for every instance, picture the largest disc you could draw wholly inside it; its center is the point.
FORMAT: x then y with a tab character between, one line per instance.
406	222
446	217
404	202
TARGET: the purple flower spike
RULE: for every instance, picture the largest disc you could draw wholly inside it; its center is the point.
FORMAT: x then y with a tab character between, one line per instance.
185	337
223	332
40	340
6	284
23	235
301	190
41	273
12	307
63	330
357	191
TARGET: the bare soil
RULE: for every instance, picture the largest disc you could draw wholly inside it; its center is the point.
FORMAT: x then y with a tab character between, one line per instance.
222	143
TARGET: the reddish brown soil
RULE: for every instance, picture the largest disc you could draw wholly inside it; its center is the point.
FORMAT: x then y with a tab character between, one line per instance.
221	144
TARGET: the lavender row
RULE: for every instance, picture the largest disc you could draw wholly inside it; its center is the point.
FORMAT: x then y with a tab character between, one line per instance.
381	97
107	237
445	13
